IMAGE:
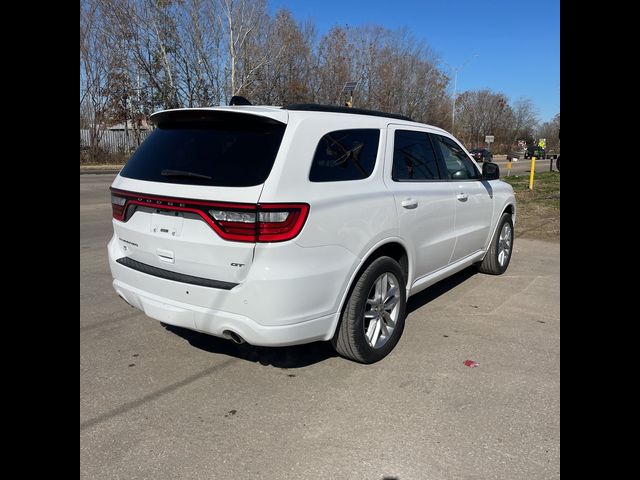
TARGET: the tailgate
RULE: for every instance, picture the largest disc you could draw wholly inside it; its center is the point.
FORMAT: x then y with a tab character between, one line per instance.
174	233
186	200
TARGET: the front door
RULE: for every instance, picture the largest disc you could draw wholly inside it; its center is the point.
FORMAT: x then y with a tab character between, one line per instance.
473	198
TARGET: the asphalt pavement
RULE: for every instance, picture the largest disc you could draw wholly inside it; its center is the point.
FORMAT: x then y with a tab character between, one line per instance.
166	403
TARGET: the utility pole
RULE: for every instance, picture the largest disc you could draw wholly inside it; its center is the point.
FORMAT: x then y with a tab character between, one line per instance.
455	71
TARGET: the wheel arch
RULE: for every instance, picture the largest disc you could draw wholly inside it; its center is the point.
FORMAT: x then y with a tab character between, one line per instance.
509	208
395	248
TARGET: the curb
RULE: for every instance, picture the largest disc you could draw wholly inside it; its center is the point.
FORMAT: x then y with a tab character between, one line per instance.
98	171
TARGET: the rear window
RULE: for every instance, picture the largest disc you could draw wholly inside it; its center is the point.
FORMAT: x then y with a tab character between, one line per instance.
345	155
222	149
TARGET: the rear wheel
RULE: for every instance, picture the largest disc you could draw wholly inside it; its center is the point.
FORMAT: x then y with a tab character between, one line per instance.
498	257
373	318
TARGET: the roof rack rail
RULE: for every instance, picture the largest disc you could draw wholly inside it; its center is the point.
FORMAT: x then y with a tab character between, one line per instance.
316	107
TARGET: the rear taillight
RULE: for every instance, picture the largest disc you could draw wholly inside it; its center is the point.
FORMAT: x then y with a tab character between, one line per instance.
278	222
240	222
118	207
267	223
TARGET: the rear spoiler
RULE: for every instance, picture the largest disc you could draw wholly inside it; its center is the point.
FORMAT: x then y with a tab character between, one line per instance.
221	114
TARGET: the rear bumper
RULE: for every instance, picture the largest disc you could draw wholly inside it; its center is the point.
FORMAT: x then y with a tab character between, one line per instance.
293	304
217	322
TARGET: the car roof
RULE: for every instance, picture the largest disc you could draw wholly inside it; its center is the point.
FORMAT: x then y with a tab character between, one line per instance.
315	107
282	114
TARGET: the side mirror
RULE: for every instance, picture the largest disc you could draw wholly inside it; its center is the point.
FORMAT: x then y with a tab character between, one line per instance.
490	171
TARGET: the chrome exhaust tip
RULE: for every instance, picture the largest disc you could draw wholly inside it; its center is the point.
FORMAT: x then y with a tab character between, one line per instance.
234	337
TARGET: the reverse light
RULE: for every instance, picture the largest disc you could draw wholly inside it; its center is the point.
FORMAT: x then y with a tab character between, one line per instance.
273	217
230	216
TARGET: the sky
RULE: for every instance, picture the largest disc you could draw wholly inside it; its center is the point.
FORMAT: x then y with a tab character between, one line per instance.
517	42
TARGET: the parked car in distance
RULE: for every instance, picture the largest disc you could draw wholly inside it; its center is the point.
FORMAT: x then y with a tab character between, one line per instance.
287	225
536	151
481	155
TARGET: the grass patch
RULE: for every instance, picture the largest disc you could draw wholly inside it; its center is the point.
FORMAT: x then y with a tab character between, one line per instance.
537	210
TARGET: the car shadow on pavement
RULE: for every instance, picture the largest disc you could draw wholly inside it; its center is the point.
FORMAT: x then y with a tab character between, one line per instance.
443	286
296	356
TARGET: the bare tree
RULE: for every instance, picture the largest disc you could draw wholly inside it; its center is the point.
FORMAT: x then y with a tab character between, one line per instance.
95	59
333	67
243	22
550	131
138	56
481	113
286	77
524	119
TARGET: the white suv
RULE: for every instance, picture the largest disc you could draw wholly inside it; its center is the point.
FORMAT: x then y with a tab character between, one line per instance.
282	226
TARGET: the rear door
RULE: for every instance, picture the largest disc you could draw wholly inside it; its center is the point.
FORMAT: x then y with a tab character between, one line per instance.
186	200
425	202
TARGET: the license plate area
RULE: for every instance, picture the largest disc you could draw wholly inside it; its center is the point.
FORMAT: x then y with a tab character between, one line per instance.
167	223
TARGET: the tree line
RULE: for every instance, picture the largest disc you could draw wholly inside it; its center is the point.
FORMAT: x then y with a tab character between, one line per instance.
140	56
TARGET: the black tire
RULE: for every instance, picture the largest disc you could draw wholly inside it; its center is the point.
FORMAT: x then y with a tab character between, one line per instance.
558	163
350	340
491	262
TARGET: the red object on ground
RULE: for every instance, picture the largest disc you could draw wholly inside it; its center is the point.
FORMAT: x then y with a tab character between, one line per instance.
471	363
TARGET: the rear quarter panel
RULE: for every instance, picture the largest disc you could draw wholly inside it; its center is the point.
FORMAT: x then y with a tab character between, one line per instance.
351	214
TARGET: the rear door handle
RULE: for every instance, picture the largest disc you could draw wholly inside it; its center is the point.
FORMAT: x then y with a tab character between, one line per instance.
409	203
462	197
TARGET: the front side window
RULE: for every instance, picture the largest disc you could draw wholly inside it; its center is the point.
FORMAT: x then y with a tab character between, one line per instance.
345	155
459	166
413	157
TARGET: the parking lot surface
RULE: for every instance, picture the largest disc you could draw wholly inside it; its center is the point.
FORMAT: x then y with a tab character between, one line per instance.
167	403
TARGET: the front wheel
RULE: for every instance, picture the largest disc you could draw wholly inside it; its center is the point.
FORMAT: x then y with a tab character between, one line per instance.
373	318
497	259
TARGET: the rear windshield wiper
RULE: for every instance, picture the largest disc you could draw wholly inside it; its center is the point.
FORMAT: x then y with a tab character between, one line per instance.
182	173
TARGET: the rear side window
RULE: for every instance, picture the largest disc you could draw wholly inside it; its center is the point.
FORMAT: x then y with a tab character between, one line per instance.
219	149
345	155
413	157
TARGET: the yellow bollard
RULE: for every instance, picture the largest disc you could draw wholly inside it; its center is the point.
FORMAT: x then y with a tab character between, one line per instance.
533	170
509	168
